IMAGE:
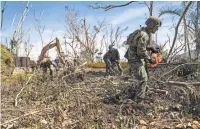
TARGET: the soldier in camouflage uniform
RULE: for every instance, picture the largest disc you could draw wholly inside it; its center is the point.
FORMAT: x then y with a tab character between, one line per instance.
108	63
112	59
45	65
137	54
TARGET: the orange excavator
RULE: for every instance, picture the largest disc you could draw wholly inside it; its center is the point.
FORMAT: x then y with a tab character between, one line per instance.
50	46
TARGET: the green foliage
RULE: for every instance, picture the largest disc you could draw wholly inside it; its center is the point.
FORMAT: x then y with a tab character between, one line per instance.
28	92
198	72
198	68
15	77
13	43
7	60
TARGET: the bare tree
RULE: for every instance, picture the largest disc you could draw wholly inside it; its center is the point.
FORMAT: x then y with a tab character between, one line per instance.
176	29
89	40
19	33
2	13
149	6
72	28
197	30
113	37
108	7
177	12
27	50
27	47
81	35
39	27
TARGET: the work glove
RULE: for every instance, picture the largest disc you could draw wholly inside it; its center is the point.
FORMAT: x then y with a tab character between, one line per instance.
151	61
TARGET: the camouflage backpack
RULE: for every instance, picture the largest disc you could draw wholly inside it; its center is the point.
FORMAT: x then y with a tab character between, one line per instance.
130	40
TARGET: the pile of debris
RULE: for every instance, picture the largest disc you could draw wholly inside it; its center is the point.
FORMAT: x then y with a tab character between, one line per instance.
97	101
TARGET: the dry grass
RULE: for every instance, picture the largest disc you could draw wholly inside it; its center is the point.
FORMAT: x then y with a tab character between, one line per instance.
97	102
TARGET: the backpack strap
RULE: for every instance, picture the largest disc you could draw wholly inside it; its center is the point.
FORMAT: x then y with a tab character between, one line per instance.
131	37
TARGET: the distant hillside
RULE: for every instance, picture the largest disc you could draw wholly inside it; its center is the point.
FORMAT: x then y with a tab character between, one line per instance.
7	61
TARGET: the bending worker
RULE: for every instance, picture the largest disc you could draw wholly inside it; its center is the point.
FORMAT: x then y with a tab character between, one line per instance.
45	64
112	59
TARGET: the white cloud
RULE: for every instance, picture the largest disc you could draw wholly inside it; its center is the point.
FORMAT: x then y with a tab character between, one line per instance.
129	14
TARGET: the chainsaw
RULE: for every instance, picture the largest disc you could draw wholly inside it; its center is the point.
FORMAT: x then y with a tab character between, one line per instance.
180	69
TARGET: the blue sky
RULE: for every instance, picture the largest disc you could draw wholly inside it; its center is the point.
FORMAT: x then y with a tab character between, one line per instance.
132	16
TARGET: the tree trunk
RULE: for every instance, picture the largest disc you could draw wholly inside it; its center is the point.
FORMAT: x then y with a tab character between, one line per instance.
197	31
151	13
187	45
2	13
176	29
151	8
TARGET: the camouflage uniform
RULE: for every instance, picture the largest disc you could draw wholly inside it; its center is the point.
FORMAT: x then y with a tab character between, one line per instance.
46	64
108	63
112	59
137	56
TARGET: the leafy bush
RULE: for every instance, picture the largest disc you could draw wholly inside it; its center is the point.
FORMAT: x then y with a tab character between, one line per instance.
7	61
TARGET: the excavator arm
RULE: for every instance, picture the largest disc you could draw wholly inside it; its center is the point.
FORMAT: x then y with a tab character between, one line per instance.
50	46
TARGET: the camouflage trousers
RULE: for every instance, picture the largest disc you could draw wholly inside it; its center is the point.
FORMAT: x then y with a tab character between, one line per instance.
138	70
108	66
44	69
117	64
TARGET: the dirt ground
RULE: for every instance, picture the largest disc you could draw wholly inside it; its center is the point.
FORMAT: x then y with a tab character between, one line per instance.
91	100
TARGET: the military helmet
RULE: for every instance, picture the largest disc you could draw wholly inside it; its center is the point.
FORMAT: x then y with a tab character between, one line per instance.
110	46
153	19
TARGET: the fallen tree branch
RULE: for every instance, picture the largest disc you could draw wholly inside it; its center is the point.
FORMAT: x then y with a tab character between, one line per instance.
23	89
159	91
177	83
70	74
183	83
75	70
175	69
27	114
85	63
108	7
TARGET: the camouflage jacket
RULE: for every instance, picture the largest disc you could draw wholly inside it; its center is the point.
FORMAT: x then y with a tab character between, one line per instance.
138	45
46	63
112	55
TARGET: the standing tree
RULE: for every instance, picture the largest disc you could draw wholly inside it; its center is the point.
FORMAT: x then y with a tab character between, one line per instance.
176	29
27	49
39	27
79	32
113	37
2	13
19	32
196	22
178	12
149	5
